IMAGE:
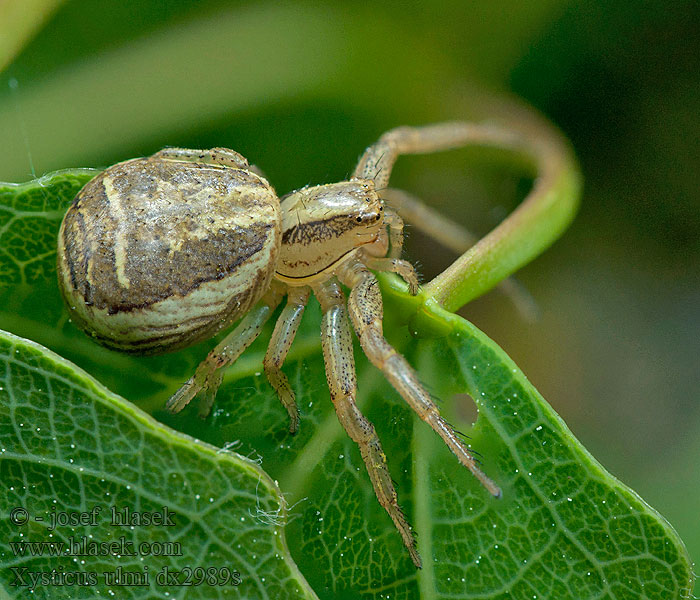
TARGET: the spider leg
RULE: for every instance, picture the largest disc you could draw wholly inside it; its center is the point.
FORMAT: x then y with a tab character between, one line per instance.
208	375
429	221
378	160
280	342
258	171
340	373
454	237
223	156
395	223
366	312
402	268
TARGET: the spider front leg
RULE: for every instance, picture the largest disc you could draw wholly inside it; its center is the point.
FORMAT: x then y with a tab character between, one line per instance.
366	312
378	160
340	372
280	342
395	223
213	156
415	212
207	378
402	268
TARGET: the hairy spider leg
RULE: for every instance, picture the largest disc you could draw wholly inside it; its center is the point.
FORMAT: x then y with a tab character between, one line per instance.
427	220
366	312
402	268
208	375
378	160
336	340
280	342
395	224
223	156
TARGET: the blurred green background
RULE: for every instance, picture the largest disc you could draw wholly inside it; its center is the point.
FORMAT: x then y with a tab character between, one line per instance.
300	88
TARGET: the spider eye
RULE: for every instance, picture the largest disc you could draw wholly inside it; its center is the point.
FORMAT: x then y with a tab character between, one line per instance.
358	219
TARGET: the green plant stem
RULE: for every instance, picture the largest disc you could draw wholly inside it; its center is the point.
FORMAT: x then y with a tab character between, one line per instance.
529	229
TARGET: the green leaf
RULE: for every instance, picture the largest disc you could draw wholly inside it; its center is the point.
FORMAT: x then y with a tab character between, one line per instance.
565	528
30	303
30	215
70	447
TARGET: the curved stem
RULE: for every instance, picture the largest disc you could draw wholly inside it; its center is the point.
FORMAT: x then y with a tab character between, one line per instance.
529	229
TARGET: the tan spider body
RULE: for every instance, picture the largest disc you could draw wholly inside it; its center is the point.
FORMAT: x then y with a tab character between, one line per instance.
139	270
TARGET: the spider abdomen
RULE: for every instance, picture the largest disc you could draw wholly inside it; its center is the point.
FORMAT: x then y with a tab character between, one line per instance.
158	253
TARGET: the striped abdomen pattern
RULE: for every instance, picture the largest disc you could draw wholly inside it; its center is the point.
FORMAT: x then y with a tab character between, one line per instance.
156	254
